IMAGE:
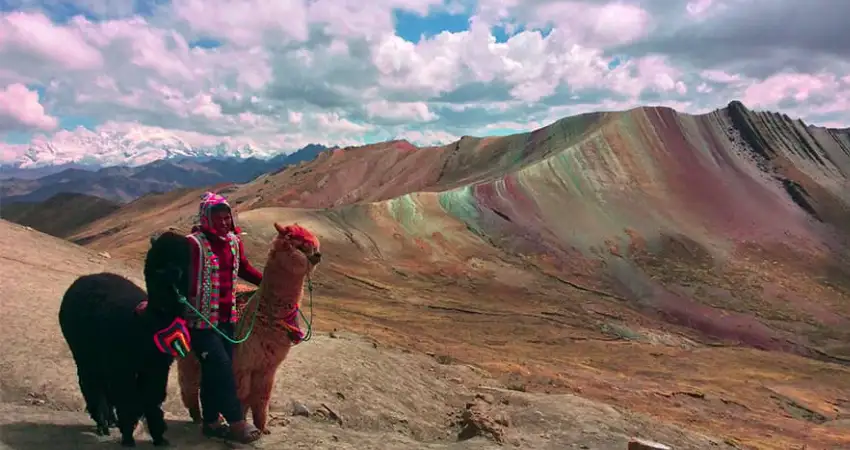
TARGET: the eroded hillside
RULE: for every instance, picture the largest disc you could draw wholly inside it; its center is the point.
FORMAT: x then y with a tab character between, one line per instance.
60	215
689	267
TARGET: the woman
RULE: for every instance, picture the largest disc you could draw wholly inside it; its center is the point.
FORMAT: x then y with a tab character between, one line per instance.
218	258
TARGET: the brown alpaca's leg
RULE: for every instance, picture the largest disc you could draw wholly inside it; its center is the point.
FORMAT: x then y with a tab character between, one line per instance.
189	378
243	384
261	394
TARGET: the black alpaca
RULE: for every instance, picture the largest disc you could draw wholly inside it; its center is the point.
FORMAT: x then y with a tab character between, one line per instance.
112	341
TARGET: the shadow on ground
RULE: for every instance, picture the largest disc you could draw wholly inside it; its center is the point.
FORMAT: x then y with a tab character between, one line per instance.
36	436
27	435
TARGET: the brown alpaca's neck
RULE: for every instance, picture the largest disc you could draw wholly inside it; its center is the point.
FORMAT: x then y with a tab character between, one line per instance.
279	296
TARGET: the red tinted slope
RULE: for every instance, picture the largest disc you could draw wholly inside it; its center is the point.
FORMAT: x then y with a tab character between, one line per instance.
683	222
387	170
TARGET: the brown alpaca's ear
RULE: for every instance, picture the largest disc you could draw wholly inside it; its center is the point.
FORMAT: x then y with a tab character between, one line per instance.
281	230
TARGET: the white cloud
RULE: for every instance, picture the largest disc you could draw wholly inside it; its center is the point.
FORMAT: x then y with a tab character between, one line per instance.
698	7
719	76
245	23
290	72
20	109
400	111
427	137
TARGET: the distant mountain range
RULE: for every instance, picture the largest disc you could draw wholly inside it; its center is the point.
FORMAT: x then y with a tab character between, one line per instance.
7	172
130	147
122	184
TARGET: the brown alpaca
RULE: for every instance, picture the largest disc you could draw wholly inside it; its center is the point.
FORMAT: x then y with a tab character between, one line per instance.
293	256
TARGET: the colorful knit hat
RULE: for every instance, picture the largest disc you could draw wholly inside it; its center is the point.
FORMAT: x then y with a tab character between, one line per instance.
208	201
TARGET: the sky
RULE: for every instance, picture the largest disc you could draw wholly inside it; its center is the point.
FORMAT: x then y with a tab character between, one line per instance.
279	74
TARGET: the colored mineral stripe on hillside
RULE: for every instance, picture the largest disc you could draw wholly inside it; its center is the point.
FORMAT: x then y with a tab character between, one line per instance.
591	195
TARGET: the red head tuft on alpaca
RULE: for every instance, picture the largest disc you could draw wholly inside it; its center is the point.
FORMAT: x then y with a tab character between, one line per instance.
295	250
297	233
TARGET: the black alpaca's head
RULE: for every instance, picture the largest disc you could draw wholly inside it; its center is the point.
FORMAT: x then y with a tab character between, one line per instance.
167	273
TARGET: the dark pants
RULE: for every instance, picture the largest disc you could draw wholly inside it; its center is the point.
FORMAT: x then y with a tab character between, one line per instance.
218	387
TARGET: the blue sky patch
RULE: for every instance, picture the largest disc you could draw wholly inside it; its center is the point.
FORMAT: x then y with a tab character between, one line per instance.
72	122
205	43
617	61
38	88
147	7
499	132
63	11
18	137
60	12
412	27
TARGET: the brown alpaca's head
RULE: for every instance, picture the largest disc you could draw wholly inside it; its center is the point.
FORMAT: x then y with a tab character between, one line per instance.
295	251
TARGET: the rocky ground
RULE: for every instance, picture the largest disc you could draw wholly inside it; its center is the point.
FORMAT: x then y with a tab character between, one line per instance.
338	391
346	393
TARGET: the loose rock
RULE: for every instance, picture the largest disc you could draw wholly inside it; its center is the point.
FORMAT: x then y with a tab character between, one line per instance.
640	444
487	398
300	409
477	420
331	414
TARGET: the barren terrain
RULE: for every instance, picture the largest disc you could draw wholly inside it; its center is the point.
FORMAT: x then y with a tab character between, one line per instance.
61	215
361	394
679	278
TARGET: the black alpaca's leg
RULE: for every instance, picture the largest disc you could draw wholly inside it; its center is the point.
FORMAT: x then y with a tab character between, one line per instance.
103	411
111	417
153	383
127	404
94	393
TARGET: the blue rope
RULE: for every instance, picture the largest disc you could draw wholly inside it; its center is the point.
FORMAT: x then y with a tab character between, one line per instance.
186	302
307	336
309	333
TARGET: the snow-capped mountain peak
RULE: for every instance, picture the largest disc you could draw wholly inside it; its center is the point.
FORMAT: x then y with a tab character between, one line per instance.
125	147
